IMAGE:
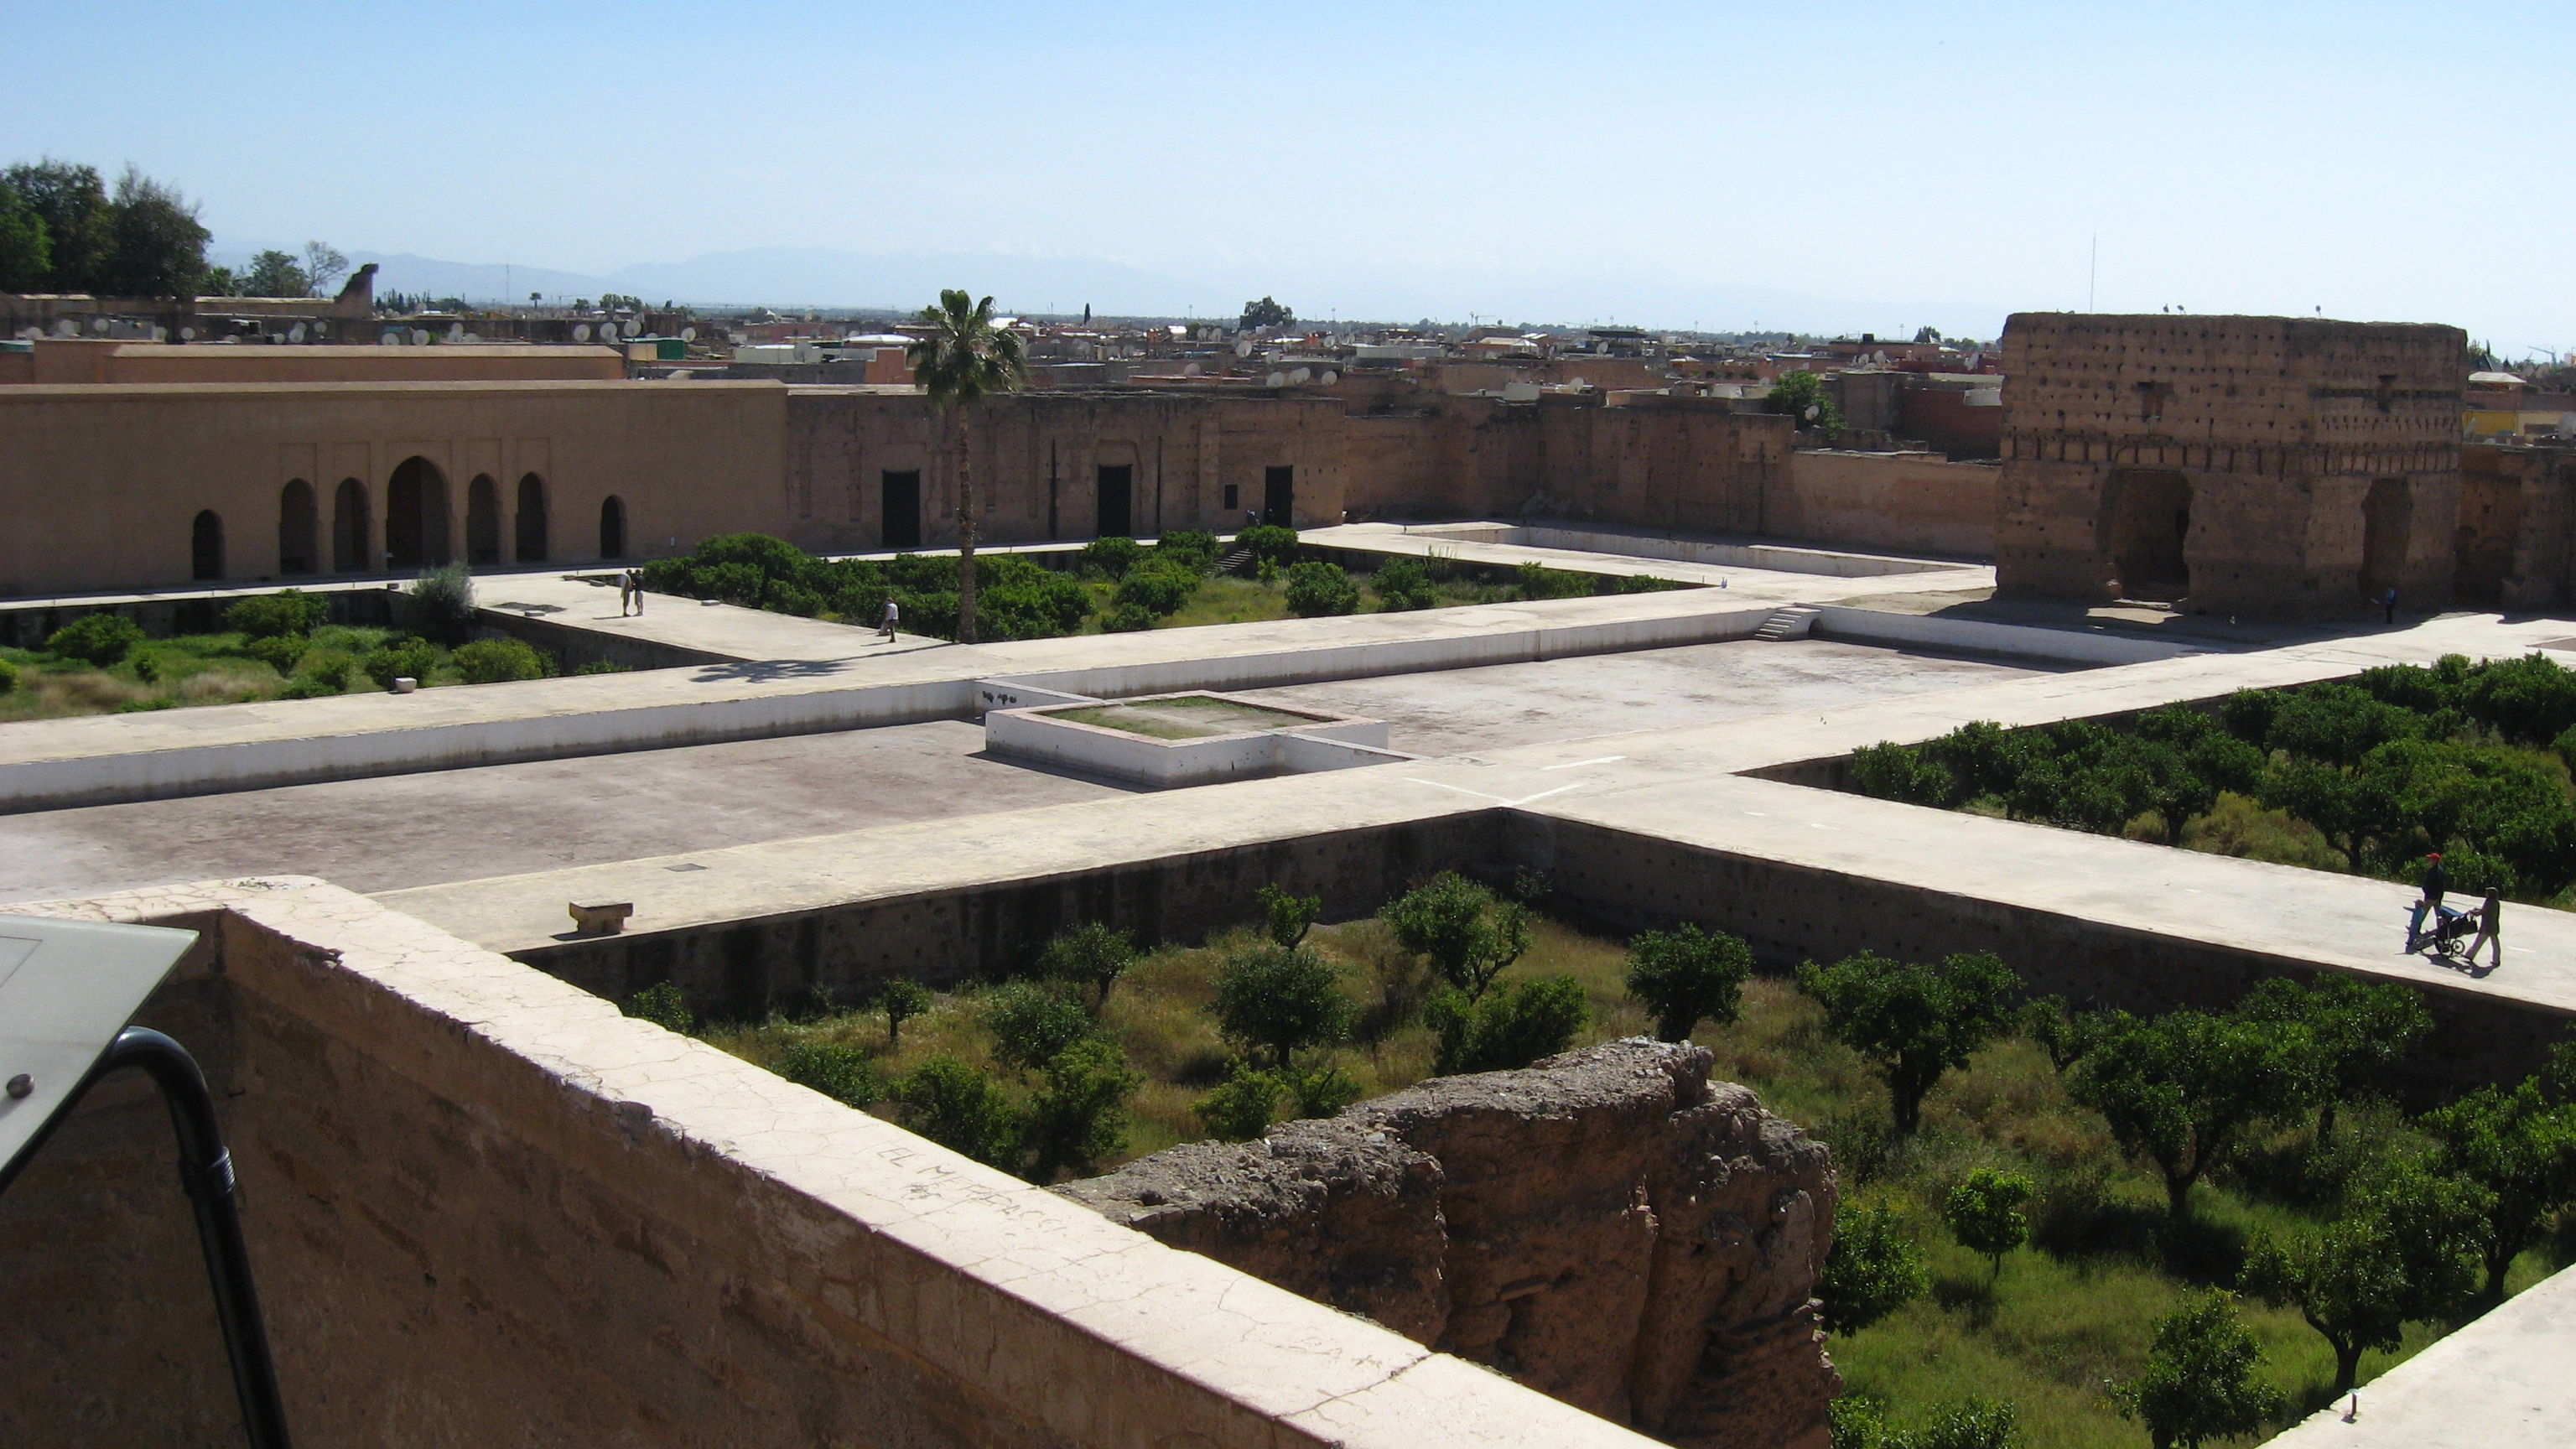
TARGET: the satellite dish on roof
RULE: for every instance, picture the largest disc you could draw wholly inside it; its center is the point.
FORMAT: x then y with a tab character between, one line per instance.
420	337
390	339
581	332
1278	379
455	331
321	329
630	327
187	334
98	324
1301	375
296	332
688	334
66	327
1243	348
1330	377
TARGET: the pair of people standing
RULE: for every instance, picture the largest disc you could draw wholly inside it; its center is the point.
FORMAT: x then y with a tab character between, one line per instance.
2437	882
630	593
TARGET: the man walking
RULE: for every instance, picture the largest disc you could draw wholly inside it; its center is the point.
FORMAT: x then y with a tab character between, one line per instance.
635	586
2435	881
893	616
2490	932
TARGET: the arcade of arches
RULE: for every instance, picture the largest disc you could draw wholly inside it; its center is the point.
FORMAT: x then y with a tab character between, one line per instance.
416	526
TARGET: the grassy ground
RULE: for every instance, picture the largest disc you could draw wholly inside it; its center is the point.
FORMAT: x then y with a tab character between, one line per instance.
190	669
2066	1316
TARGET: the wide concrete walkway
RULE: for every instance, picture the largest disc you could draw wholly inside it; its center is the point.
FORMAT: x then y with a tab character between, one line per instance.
2506	1381
726	631
409	830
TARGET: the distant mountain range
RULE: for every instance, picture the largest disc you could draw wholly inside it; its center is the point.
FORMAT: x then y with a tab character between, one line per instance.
789	278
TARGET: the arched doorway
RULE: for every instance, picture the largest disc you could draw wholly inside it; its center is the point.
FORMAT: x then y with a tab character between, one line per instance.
612	527
416	515
298	527
532	520
482	521
206	546
350	532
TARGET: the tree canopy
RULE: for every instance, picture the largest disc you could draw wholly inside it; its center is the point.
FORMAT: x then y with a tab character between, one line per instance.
960	359
1686	976
1913	1020
2199	1384
1266	313
2181	1088
62	230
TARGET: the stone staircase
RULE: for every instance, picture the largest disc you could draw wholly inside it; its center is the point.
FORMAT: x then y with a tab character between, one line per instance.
1235	560
1794	622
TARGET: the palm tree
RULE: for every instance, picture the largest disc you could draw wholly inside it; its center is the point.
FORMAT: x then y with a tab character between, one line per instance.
960	360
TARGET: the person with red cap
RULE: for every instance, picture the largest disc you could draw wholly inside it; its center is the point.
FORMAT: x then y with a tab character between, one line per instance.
2435	882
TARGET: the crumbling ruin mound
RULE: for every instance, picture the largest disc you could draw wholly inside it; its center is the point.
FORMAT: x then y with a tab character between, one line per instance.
1607	1226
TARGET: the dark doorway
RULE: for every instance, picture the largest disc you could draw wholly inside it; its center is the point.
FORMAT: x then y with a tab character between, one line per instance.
531	524
298	528
899	509
2147	515
482	521
350	531
2386	516
416	515
1117	501
612	527
1279	496
206	546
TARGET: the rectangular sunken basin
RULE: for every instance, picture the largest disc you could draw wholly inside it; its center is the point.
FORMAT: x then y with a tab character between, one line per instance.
1185	739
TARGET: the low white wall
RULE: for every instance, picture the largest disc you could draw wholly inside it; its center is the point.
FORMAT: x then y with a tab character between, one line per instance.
993	694
1969	636
1310	751
1034	734
304	759
1787	558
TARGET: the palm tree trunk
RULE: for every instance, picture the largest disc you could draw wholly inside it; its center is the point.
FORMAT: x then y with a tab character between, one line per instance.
965	533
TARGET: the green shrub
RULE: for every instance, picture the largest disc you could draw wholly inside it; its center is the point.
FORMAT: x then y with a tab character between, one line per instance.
265	616
1913	1020
663	1005
1873	1270
1538	581
1509	1028
957	1107
331	672
100	639
1128	618
146	665
1090	954
1282	999
1188	549
445	598
1244	1107
1156	587
1079	1115
1270	543
836	1069
605	666
1320	1090
278	651
1468	933
1285	918
9	677
1686	976
1109	557
2200	1383
1032	1023
498	661
1402	585
1985	1212
404	658
901	999
1316	590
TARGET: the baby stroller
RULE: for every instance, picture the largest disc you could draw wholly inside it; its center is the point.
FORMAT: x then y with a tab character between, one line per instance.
2447	934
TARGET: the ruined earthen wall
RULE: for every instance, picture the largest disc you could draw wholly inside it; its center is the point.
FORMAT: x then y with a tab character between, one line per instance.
485	1210
2279	425
1900	503
1608	1226
2517	518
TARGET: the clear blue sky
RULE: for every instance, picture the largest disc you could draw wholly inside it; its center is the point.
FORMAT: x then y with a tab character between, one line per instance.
1942	163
